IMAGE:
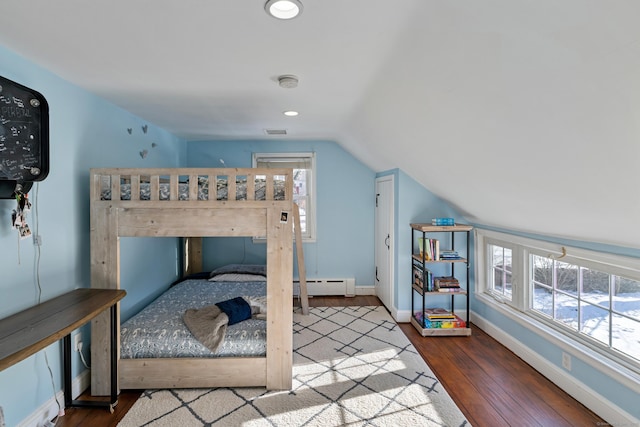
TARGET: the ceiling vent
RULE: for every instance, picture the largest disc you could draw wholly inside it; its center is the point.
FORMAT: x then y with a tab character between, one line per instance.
275	131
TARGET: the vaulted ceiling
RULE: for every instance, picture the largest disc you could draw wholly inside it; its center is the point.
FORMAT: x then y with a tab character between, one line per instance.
523	114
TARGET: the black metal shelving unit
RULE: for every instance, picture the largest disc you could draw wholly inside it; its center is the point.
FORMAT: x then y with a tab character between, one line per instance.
420	259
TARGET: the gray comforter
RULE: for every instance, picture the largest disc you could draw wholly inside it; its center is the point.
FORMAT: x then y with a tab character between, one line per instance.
159	330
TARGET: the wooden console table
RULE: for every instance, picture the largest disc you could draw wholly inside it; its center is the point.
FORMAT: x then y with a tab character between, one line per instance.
29	331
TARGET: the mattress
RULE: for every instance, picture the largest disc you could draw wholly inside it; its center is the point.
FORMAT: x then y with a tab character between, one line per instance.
203	190
159	331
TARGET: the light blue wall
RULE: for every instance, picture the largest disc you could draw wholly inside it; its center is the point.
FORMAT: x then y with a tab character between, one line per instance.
414	204
345	217
85	131
616	392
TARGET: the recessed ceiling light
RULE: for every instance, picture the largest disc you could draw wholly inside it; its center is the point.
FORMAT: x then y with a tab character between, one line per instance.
290	113
283	9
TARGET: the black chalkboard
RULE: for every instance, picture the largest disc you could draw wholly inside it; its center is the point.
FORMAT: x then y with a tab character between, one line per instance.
24	135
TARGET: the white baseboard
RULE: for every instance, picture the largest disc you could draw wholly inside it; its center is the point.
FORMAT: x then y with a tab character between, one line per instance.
365	290
603	407
403	316
49	409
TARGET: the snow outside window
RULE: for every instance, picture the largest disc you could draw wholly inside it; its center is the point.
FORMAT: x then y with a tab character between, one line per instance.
589	296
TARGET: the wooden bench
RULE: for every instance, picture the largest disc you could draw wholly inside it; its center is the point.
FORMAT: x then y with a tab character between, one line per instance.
29	331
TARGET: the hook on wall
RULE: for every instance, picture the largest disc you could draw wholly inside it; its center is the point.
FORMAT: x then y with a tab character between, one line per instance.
9	189
564	254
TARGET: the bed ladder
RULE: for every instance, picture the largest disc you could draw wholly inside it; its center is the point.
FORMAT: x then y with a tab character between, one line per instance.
302	273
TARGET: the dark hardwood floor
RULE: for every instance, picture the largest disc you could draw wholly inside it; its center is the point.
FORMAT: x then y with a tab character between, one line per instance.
492	386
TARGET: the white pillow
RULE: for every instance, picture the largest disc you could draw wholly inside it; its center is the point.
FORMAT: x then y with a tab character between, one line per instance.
238	277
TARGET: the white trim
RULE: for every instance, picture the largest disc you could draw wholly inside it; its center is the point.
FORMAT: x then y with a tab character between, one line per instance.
483	264
402	316
524	248
49	409
392	238
615	371
310	235
623	265
599	404
365	290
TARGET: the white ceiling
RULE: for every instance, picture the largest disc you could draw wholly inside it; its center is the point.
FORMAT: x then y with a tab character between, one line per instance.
523	114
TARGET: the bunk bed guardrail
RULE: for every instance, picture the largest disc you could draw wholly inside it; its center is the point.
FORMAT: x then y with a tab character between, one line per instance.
182	202
192	184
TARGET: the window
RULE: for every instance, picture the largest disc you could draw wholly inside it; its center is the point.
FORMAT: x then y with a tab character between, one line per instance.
589	297
500	271
597	305
303	165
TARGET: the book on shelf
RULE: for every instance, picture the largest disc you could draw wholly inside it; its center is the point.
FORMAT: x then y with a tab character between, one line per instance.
447	254
445	282
457	322
450	289
429	249
439	318
443	221
423	277
438	313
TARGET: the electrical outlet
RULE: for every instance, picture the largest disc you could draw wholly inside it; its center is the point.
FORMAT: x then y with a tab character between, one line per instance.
77	340
566	361
37	240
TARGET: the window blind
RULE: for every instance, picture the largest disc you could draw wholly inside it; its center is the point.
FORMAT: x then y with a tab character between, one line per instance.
284	162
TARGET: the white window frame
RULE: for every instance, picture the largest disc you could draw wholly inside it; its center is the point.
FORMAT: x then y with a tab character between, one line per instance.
619	366
487	261
310	220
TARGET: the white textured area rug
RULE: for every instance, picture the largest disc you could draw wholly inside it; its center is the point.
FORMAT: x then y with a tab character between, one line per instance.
353	366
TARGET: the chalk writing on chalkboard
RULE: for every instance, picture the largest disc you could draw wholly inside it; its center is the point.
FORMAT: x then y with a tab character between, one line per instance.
24	133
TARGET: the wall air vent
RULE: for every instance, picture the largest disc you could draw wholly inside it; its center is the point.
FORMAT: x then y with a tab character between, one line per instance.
275	131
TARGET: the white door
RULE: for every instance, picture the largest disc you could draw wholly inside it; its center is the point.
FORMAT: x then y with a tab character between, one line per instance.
384	240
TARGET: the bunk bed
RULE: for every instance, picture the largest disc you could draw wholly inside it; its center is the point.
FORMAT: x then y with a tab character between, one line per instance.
184	202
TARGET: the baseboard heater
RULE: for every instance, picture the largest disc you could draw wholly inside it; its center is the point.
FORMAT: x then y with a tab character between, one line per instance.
321	287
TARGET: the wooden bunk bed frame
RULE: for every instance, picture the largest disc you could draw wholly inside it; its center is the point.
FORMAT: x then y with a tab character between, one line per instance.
112	219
